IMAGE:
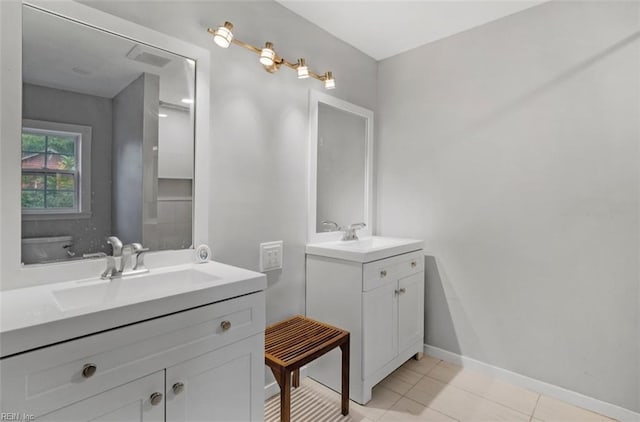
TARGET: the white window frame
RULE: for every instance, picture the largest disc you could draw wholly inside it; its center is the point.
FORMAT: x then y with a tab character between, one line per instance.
83	171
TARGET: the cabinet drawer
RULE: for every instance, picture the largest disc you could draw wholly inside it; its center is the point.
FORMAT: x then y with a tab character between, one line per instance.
42	380
378	273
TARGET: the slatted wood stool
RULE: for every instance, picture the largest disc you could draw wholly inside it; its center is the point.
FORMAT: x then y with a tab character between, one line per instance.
296	341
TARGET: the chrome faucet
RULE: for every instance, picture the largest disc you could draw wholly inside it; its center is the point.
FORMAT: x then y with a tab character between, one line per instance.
331	226
350	232
116	245
138	266
125	253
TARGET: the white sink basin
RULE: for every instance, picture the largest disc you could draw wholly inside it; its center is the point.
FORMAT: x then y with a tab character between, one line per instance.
43	314
103	292
366	249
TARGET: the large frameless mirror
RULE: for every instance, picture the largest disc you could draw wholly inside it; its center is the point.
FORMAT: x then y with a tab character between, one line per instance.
107	144
341	166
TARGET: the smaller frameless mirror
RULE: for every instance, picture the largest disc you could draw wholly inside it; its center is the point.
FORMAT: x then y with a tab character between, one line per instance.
341	151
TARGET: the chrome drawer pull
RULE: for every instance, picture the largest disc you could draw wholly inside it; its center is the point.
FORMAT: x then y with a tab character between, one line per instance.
383	273
177	388
156	398
89	369
225	325
401	290
413	264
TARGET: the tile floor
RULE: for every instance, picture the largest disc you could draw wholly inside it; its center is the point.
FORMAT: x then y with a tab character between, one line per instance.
431	390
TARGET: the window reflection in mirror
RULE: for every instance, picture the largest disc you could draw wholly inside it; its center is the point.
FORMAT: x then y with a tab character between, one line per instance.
107	142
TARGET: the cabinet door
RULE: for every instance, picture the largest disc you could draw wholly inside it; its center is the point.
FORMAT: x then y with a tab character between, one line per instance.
127	403
226	384
380	319
410	311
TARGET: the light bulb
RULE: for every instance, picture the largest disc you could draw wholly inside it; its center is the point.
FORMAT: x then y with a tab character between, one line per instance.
303	70
223	35
267	54
329	82
187	100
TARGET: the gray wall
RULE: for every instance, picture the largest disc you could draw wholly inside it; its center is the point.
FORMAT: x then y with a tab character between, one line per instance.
135	133
259	127
54	105
513	150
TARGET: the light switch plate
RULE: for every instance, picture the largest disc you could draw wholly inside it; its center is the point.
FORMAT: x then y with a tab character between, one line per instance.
271	256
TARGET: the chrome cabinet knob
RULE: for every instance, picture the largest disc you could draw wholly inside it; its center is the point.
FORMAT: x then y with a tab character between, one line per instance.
225	325
413	264
401	290
156	398
383	273
177	388
89	369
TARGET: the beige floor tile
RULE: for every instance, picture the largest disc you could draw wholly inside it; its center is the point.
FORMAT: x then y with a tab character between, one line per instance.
463	378
401	380
406	410
552	410
517	398
448	393
426	390
382	399
460	404
422	366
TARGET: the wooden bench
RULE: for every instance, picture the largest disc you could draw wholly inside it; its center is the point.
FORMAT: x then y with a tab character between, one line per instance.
296	341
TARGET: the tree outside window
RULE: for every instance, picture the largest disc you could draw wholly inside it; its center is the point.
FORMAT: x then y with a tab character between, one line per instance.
50	173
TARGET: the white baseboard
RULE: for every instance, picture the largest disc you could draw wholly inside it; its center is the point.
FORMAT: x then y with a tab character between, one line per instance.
577	399
273	388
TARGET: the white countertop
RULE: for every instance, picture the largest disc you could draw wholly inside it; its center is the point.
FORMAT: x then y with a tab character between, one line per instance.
366	249
31	317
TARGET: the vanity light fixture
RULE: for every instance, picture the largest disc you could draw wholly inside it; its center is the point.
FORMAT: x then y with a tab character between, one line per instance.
303	70
270	60
329	82
223	35
267	54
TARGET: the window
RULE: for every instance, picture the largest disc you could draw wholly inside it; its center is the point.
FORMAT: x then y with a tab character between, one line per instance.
55	163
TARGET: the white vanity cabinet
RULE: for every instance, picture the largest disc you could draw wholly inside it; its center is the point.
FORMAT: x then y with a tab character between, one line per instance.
129	402
381	303
205	363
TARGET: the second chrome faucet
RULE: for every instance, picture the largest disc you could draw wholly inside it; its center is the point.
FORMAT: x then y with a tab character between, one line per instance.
125	253
349	232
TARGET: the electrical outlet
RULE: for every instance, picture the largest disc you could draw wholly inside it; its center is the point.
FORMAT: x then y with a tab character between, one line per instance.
271	256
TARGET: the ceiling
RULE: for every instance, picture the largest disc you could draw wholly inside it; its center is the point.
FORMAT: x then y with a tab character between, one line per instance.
81	59
382	29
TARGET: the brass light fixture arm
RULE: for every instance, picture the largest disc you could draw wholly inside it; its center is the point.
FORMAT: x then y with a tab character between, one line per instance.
277	60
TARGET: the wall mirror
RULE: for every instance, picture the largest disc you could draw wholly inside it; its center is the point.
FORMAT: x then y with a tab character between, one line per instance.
107	142
104	130
341	166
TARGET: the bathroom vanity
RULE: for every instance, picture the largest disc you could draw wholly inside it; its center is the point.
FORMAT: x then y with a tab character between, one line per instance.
374	288
182	343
